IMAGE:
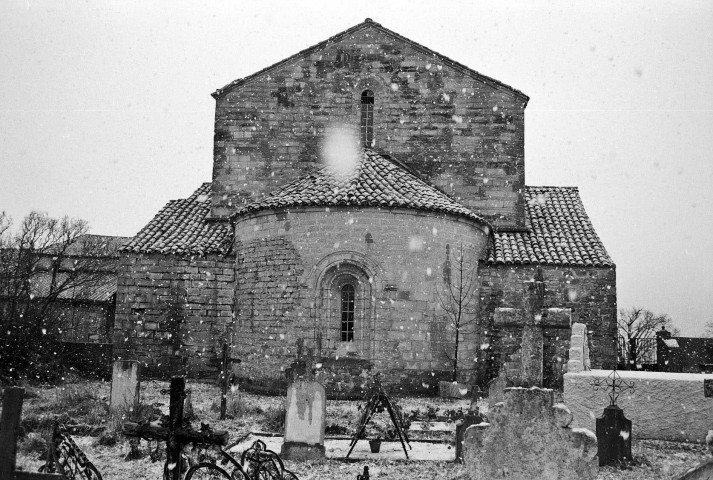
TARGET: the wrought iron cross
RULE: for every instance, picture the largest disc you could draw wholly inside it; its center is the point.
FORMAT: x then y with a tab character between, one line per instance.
615	383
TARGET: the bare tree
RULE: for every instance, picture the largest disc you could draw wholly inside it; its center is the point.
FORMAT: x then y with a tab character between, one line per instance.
40	261
638	327
708	332
456	297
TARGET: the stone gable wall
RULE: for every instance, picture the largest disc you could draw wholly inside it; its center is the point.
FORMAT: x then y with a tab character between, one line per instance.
460	134
282	256
589	292
172	310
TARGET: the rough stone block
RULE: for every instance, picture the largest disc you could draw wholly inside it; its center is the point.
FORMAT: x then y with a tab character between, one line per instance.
508	316
528	438
579	349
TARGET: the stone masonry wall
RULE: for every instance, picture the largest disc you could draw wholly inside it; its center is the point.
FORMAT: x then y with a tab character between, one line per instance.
462	135
84	322
173	312
589	292
280	299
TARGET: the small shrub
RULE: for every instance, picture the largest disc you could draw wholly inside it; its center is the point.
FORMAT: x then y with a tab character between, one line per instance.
73	395
275	419
112	433
34	444
236	407
142	413
335	429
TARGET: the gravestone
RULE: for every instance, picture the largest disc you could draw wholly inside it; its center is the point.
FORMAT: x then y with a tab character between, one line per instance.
614	436
125	385
304	421
528	437
461	427
496	387
578	349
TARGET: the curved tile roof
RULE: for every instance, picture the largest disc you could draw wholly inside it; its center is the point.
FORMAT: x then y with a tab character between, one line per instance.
181	228
560	233
375	181
560	230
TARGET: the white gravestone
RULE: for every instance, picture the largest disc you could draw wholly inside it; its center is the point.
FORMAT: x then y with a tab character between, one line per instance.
304	421
125	385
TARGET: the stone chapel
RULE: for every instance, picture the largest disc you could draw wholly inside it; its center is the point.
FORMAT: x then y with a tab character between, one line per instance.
283	254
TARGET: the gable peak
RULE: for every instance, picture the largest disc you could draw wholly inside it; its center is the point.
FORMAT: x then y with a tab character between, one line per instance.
370	23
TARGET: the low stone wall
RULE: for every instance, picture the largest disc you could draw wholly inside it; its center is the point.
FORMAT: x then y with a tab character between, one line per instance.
663	406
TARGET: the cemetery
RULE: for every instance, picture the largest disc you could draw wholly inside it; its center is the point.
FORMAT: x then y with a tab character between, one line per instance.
603	424
152	428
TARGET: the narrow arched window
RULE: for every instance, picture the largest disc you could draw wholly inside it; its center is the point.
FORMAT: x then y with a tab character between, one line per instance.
367	118
347	329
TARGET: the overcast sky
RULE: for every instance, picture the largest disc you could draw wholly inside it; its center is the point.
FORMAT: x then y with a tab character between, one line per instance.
106	113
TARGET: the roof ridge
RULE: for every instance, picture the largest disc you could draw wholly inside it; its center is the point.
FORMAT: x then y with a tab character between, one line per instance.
559	187
370	23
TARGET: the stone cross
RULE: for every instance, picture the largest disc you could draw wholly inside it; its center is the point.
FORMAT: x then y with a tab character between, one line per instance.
305	421
533	318
125	385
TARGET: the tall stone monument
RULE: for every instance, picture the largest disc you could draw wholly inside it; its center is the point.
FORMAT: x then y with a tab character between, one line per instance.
305	421
525	368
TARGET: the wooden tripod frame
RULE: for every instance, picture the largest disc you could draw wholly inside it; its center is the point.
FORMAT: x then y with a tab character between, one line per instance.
378	401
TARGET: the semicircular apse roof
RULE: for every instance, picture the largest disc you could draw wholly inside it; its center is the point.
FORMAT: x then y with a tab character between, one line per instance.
376	180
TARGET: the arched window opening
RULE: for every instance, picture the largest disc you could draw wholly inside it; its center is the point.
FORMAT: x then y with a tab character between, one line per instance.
347	329
367	118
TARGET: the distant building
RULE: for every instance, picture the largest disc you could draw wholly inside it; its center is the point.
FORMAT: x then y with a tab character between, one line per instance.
84	312
279	251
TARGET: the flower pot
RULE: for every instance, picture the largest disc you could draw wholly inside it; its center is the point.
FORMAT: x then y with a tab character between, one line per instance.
375	445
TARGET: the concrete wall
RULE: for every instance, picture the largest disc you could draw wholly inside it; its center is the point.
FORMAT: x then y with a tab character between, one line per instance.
664	406
172	310
462	135
589	292
283	259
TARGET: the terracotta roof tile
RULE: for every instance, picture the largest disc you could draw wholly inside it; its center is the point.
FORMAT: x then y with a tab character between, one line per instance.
376	181
560	233
181	228
560	230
